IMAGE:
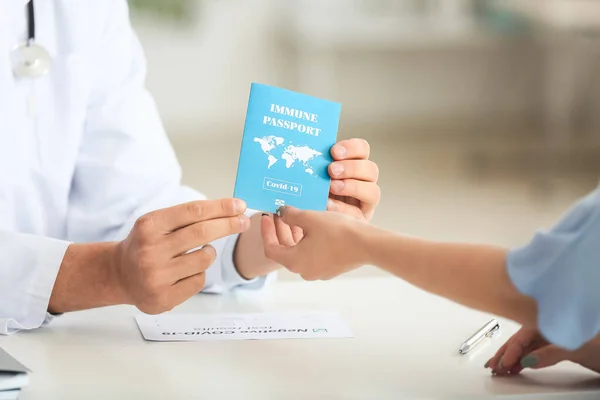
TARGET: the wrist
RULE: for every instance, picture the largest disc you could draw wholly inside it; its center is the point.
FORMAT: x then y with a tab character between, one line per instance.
375	244
115	289
237	259
364	241
86	279
250	263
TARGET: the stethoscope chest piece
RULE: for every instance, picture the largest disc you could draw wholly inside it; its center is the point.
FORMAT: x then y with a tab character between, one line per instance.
30	60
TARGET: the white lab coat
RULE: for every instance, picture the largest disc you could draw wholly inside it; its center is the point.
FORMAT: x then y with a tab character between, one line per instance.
91	158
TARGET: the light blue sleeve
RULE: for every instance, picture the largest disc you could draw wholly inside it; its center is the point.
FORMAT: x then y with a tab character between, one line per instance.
560	269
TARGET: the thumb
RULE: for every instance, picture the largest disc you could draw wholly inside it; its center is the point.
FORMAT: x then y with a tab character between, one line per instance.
545	357
292	216
272	248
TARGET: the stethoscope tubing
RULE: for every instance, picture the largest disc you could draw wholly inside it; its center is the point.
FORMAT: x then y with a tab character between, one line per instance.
30	59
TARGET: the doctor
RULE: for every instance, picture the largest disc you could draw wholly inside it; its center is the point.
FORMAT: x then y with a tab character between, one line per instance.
92	212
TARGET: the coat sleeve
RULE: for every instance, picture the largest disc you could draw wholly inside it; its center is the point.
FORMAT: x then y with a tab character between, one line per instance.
28	269
126	166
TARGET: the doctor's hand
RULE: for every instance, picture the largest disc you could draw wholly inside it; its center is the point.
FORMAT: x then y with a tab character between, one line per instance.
528	349
153	266
332	243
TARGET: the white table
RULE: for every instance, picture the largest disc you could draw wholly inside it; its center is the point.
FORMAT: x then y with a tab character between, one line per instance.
405	347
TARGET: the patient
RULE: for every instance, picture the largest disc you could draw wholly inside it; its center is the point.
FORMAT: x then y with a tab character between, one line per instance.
551	286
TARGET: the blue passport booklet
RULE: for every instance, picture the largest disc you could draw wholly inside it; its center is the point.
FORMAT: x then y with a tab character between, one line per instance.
286	150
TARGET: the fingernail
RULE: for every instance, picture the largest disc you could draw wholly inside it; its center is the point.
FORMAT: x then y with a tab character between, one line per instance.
265	214
337	186
500	366
339	151
337	169
245	221
494	373
240	206
211	250
280	211
331	205
529	361
487	364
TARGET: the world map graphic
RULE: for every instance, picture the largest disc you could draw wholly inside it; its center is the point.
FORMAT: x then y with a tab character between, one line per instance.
276	149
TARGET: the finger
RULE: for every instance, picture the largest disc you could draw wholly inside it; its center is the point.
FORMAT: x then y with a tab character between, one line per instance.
362	170
493	362
518	346
517	367
351	149
297	233
545	357
525	341
515	370
344	208
368	193
205	232
293	216
502	364
272	248
510	358
268	231
173	218
284	232
345	199
186	288
192	263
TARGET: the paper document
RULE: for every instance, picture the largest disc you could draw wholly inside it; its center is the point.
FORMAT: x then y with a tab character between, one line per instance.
206	327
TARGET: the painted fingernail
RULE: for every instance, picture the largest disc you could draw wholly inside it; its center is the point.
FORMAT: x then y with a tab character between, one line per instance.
500	366
280	211
340	151
487	364
337	169
494	373
529	361
240	206
265	215
337	186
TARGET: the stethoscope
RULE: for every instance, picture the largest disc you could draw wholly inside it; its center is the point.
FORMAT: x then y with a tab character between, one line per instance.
30	60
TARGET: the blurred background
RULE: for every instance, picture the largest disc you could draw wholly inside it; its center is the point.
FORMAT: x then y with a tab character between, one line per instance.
483	115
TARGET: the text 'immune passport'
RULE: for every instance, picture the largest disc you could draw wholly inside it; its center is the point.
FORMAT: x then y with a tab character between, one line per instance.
286	150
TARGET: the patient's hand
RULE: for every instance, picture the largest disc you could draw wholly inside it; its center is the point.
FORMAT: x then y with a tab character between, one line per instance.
528	349
353	190
331	243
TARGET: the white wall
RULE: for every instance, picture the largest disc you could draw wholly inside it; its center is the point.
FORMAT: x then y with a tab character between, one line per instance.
434	89
201	78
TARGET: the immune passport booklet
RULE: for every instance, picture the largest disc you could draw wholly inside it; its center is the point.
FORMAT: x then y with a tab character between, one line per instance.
286	150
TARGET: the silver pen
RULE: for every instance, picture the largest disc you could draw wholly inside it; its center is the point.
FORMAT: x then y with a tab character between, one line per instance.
488	330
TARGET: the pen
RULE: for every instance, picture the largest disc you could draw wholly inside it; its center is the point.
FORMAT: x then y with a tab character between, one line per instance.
488	330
